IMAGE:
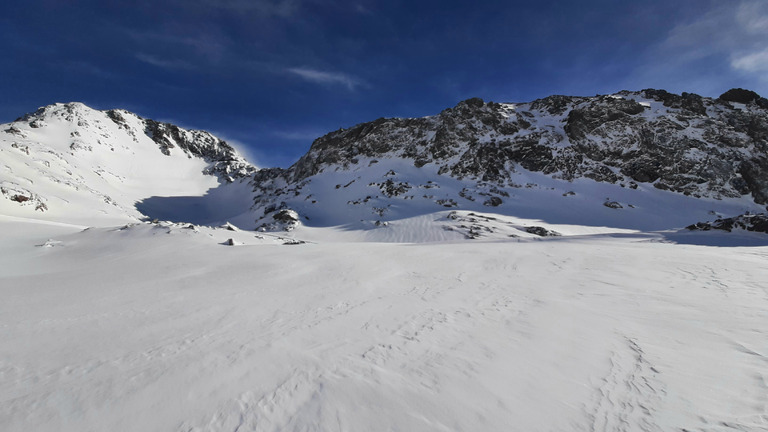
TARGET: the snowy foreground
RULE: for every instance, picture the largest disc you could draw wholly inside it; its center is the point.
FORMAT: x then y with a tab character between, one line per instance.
161	327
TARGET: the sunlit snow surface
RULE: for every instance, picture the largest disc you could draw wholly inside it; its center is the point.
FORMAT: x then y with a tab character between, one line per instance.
163	327
434	319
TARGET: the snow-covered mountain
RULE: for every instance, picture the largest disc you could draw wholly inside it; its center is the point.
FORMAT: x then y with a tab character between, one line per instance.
646	160
71	163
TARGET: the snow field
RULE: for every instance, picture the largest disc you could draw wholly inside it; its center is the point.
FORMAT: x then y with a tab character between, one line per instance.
161	327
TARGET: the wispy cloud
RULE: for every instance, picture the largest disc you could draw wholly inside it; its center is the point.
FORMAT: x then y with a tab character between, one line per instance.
85	67
298	135
734	31
268	8
210	44
756	63
361	9
724	44
164	63
729	27
327	78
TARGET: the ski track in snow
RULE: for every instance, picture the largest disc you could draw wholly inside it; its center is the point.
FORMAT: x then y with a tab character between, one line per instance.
148	328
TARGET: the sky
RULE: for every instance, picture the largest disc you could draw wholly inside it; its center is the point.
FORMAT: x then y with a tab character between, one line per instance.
270	76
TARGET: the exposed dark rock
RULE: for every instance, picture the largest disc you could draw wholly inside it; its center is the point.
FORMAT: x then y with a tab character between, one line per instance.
474	102
493	201
390	188
14	130
754	173
447	202
283	220
584	120
554	105
541	231
293	242
740	95
286	216
754	222
689	102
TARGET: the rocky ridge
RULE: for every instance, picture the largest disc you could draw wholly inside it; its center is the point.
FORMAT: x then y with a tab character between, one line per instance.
687	144
747	222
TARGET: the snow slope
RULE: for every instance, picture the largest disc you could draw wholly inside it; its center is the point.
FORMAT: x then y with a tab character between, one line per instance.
71	163
161	327
393	189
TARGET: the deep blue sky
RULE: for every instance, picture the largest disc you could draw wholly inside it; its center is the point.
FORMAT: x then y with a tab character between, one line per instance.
272	75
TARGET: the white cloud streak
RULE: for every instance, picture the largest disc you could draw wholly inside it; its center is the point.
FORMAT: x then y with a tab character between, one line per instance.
268	8
327	78
722	46
163	63
211	46
737	31
298	135
756	63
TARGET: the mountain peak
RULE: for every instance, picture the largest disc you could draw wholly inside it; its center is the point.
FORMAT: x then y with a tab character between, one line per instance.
72	160
740	95
67	111
635	143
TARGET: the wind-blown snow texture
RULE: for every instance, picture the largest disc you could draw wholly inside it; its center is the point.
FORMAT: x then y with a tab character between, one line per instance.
496	267
160	327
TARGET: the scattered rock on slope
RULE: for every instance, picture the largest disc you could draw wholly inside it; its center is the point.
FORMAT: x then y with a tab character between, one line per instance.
748	222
